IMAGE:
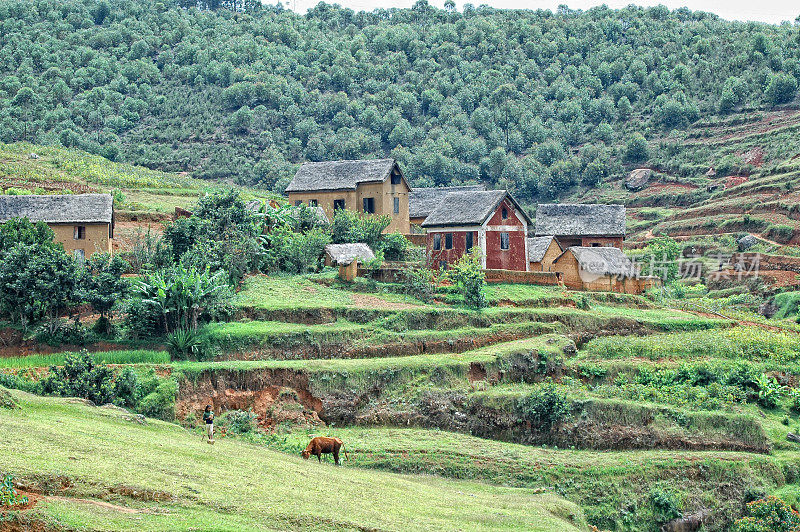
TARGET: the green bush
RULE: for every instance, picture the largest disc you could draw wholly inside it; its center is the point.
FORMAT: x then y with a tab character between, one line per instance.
666	506
349	226
544	408
237	421
8	494
160	403
394	246
467	274
418	283
80	376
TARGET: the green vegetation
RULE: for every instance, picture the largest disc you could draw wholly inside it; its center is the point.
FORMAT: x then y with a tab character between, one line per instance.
132	467
537	101
138	356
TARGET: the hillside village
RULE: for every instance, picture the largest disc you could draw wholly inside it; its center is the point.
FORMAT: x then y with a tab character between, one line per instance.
493	269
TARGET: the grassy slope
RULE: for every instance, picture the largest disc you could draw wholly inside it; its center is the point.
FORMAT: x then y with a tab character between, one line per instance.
237	486
60	170
601	482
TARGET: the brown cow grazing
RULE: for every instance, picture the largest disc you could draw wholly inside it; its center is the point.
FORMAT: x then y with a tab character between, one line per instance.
322	445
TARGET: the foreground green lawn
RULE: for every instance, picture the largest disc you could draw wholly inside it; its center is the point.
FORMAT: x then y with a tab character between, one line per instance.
98	453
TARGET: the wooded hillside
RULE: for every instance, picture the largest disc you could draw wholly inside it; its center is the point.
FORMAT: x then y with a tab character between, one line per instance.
530	100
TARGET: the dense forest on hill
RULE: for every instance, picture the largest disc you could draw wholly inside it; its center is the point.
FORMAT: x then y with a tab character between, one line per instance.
530	100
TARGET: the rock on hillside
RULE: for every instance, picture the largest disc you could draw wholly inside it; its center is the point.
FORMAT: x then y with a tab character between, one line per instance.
638	179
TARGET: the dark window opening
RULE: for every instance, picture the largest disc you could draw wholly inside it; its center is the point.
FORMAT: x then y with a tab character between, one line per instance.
437	242
442	264
469	241
80	232
505	213
448	241
338	204
369	205
312	203
503	240
595	244
397	205
395	179
297	203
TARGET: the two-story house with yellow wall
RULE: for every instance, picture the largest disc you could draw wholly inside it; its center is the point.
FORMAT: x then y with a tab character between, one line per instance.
367	186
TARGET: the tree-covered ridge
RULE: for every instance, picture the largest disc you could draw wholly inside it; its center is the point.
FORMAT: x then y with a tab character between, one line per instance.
530	100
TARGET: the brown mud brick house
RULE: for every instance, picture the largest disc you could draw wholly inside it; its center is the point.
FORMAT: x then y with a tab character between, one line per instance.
371	187
347	257
422	201
82	223
582	224
542	251
490	219
605	269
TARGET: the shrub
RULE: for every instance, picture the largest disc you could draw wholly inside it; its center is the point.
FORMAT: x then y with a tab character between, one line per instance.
665	505
636	150
238	421
545	407
80	377
467	274
769	514
769	391
418	283
8	494
349	226
394	246
160	403
61	332
183	344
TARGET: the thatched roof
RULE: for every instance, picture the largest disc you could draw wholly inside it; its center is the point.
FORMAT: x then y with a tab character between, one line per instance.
580	219
422	201
340	175
471	207
344	254
602	261
537	247
58	209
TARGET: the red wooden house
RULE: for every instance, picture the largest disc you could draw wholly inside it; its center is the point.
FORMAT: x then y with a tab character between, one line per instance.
490	219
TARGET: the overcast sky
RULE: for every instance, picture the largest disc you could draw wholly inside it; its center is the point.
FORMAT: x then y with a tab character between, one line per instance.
773	11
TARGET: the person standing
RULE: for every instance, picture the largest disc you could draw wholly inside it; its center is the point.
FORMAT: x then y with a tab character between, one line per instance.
208	418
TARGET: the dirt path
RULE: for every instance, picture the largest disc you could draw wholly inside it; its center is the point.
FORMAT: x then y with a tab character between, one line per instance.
99	504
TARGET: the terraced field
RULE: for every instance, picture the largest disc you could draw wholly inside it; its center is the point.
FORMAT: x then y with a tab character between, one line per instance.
601	407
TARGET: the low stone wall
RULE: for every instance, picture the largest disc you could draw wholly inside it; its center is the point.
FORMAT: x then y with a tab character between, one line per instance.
511	276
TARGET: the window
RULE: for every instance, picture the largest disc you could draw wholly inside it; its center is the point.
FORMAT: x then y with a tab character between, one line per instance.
395	178
469	241
80	232
312	203
504	213
595	244
338	205
397	205
297	203
448	241
369	205
437	241
503	240
442	264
